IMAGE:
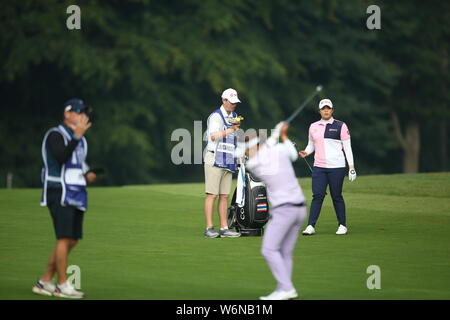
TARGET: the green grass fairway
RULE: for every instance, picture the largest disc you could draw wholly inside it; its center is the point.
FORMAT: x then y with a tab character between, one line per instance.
146	242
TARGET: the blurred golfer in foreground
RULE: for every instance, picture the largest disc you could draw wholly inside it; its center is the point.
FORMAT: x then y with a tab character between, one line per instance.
272	163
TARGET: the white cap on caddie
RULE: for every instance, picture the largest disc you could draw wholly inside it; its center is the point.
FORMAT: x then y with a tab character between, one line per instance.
325	102
231	95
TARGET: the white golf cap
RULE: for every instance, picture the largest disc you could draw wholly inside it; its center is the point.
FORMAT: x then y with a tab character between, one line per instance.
231	95
325	102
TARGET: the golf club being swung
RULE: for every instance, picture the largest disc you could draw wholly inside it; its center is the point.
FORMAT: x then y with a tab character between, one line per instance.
296	112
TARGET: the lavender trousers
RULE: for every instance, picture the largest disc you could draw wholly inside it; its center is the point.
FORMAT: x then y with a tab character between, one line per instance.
279	241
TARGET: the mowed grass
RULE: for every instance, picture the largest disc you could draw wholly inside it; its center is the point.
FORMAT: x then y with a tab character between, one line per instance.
146	242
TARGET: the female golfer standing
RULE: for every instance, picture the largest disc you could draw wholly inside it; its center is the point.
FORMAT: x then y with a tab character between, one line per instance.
272	163
329	139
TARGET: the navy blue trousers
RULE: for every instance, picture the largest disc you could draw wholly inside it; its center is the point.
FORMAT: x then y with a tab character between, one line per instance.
321	178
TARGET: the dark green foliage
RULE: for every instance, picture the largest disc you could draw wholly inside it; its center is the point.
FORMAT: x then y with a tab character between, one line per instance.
149	67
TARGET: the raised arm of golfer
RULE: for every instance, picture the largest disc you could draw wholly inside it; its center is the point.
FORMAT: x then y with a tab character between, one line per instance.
329	139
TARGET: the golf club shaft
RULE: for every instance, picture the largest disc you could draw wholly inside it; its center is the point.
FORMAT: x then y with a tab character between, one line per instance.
296	112
310	169
295	146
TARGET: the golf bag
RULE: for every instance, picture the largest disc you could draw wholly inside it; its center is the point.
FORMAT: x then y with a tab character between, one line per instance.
252	213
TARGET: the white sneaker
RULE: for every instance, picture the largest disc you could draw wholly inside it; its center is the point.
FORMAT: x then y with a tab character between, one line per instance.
66	290
309	230
227	233
281	295
44	288
341	230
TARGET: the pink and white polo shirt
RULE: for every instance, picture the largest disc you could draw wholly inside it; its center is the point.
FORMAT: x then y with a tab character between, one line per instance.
327	137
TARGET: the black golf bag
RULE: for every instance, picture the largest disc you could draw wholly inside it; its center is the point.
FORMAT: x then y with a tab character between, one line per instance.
250	219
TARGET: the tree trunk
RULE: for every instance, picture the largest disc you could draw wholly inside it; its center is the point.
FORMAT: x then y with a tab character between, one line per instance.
409	141
412	147
443	126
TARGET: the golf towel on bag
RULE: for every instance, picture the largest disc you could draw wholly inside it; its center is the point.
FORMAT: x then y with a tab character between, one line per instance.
240	188
71	177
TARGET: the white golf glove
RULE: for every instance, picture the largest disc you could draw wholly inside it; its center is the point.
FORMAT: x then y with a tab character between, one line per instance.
278	127
273	139
352	174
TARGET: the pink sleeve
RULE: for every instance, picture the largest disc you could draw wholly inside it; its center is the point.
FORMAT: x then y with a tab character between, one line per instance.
345	133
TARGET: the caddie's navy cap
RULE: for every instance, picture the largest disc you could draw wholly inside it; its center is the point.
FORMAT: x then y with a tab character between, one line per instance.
76	105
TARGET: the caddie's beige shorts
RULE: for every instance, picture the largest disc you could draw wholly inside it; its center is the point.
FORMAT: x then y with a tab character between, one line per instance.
217	180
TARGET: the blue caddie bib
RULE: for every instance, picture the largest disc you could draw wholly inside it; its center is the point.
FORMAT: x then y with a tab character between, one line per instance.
224	153
71	176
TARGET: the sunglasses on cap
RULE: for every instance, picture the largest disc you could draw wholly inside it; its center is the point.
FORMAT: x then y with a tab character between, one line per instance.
86	110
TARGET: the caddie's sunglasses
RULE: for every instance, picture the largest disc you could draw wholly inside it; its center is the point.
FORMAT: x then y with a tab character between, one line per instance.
87	110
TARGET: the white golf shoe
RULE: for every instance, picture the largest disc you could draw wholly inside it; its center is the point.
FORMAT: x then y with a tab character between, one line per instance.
341	230
309	231
66	290
44	288
281	295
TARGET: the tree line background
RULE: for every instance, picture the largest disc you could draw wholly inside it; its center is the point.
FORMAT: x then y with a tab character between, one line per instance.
148	67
